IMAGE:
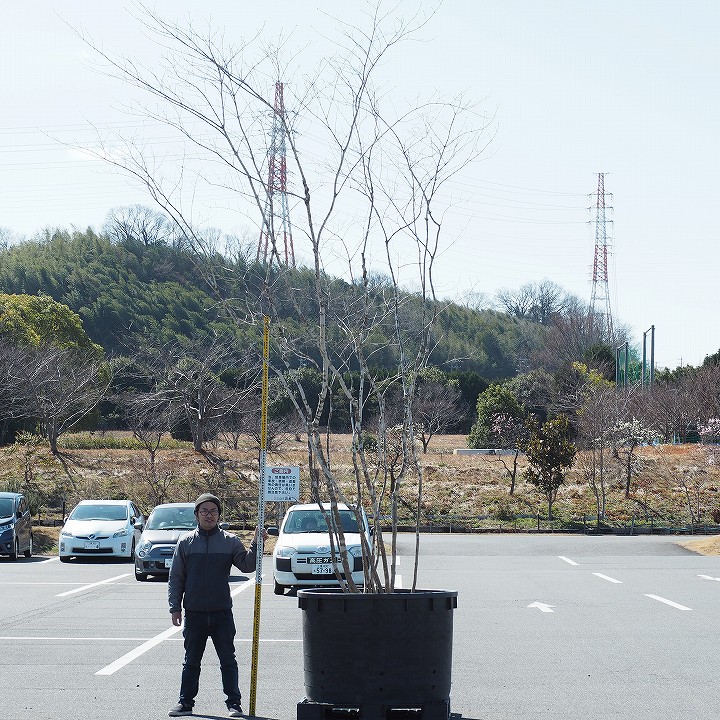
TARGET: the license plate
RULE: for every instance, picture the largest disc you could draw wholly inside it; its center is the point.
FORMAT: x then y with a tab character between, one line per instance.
323	570
92	544
168	563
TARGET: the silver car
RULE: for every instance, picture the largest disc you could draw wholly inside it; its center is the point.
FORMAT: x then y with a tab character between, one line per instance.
165	526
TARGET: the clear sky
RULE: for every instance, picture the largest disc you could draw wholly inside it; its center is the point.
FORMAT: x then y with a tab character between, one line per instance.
573	87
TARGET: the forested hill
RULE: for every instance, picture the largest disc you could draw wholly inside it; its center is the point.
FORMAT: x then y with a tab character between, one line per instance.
123	288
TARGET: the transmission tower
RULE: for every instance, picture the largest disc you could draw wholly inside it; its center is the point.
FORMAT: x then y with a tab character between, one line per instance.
276	213
600	298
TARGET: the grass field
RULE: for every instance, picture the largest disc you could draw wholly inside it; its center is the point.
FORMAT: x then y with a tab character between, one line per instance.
671	485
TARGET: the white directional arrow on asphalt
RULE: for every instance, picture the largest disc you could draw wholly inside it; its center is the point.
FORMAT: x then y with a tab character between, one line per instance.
542	607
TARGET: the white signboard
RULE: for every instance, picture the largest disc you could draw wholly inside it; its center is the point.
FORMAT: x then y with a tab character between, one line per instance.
282	484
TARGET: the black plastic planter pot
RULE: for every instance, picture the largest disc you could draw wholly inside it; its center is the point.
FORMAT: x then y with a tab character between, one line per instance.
377	652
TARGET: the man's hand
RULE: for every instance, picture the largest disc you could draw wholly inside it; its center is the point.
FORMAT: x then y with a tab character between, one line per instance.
264	534
176	618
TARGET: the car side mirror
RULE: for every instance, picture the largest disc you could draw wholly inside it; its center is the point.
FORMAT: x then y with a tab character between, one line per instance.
273	531
139	524
224	525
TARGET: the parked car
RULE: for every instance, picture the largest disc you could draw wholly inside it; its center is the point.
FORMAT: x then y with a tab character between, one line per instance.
165	526
101	528
301	556
15	525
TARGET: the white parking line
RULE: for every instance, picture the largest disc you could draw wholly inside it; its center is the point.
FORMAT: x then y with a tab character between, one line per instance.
709	577
92	585
567	560
667	602
139	650
608	578
126	659
42	638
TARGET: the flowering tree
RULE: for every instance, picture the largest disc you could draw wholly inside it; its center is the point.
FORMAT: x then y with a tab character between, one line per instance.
627	436
710	431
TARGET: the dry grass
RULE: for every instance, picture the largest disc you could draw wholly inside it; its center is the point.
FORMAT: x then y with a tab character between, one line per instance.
458	485
703	546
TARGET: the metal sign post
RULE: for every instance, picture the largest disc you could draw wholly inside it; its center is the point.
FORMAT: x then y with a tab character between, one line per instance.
261	515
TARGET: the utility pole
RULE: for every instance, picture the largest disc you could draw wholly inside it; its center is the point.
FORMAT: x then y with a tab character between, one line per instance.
276	212
600	297
651	382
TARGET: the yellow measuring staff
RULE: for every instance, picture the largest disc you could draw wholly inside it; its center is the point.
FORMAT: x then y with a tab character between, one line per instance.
261	515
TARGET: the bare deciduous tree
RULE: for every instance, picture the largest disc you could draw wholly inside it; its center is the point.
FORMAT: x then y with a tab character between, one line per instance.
437	407
181	385
368	172
140	224
57	387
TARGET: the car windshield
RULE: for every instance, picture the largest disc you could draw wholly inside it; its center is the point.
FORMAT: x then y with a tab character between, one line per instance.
6	507
169	518
99	512
312	521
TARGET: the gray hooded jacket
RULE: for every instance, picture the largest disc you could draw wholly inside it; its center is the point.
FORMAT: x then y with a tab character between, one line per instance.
201	567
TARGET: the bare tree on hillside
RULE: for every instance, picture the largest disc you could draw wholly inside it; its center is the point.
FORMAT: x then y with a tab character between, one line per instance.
537	302
437	408
57	387
672	410
137	223
180	385
147	419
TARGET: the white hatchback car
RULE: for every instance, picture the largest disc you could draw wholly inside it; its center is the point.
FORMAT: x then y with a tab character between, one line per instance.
101	528
302	558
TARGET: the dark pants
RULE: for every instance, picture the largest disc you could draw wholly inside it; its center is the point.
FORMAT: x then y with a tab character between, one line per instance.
199	626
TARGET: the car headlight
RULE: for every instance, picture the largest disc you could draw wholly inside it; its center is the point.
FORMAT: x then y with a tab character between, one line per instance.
3	528
286	552
121	533
66	533
145	547
355	550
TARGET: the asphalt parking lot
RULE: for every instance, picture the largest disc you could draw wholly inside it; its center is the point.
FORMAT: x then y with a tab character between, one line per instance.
546	627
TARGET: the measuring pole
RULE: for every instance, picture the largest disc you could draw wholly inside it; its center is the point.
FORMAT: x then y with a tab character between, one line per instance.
261	515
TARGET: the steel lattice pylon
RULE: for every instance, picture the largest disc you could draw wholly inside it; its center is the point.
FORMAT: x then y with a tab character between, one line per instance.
600	298
276	212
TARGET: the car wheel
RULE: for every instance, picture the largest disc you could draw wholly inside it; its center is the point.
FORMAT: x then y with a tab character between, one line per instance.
140	577
29	551
16	550
278	589
64	558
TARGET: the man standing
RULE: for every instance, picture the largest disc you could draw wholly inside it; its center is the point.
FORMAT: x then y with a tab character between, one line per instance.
198	583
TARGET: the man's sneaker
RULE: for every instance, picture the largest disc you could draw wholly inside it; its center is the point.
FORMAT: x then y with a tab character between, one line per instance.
235	711
180	710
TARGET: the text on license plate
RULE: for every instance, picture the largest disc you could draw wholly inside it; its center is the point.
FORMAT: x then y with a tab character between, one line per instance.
168	563
92	544
322	570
